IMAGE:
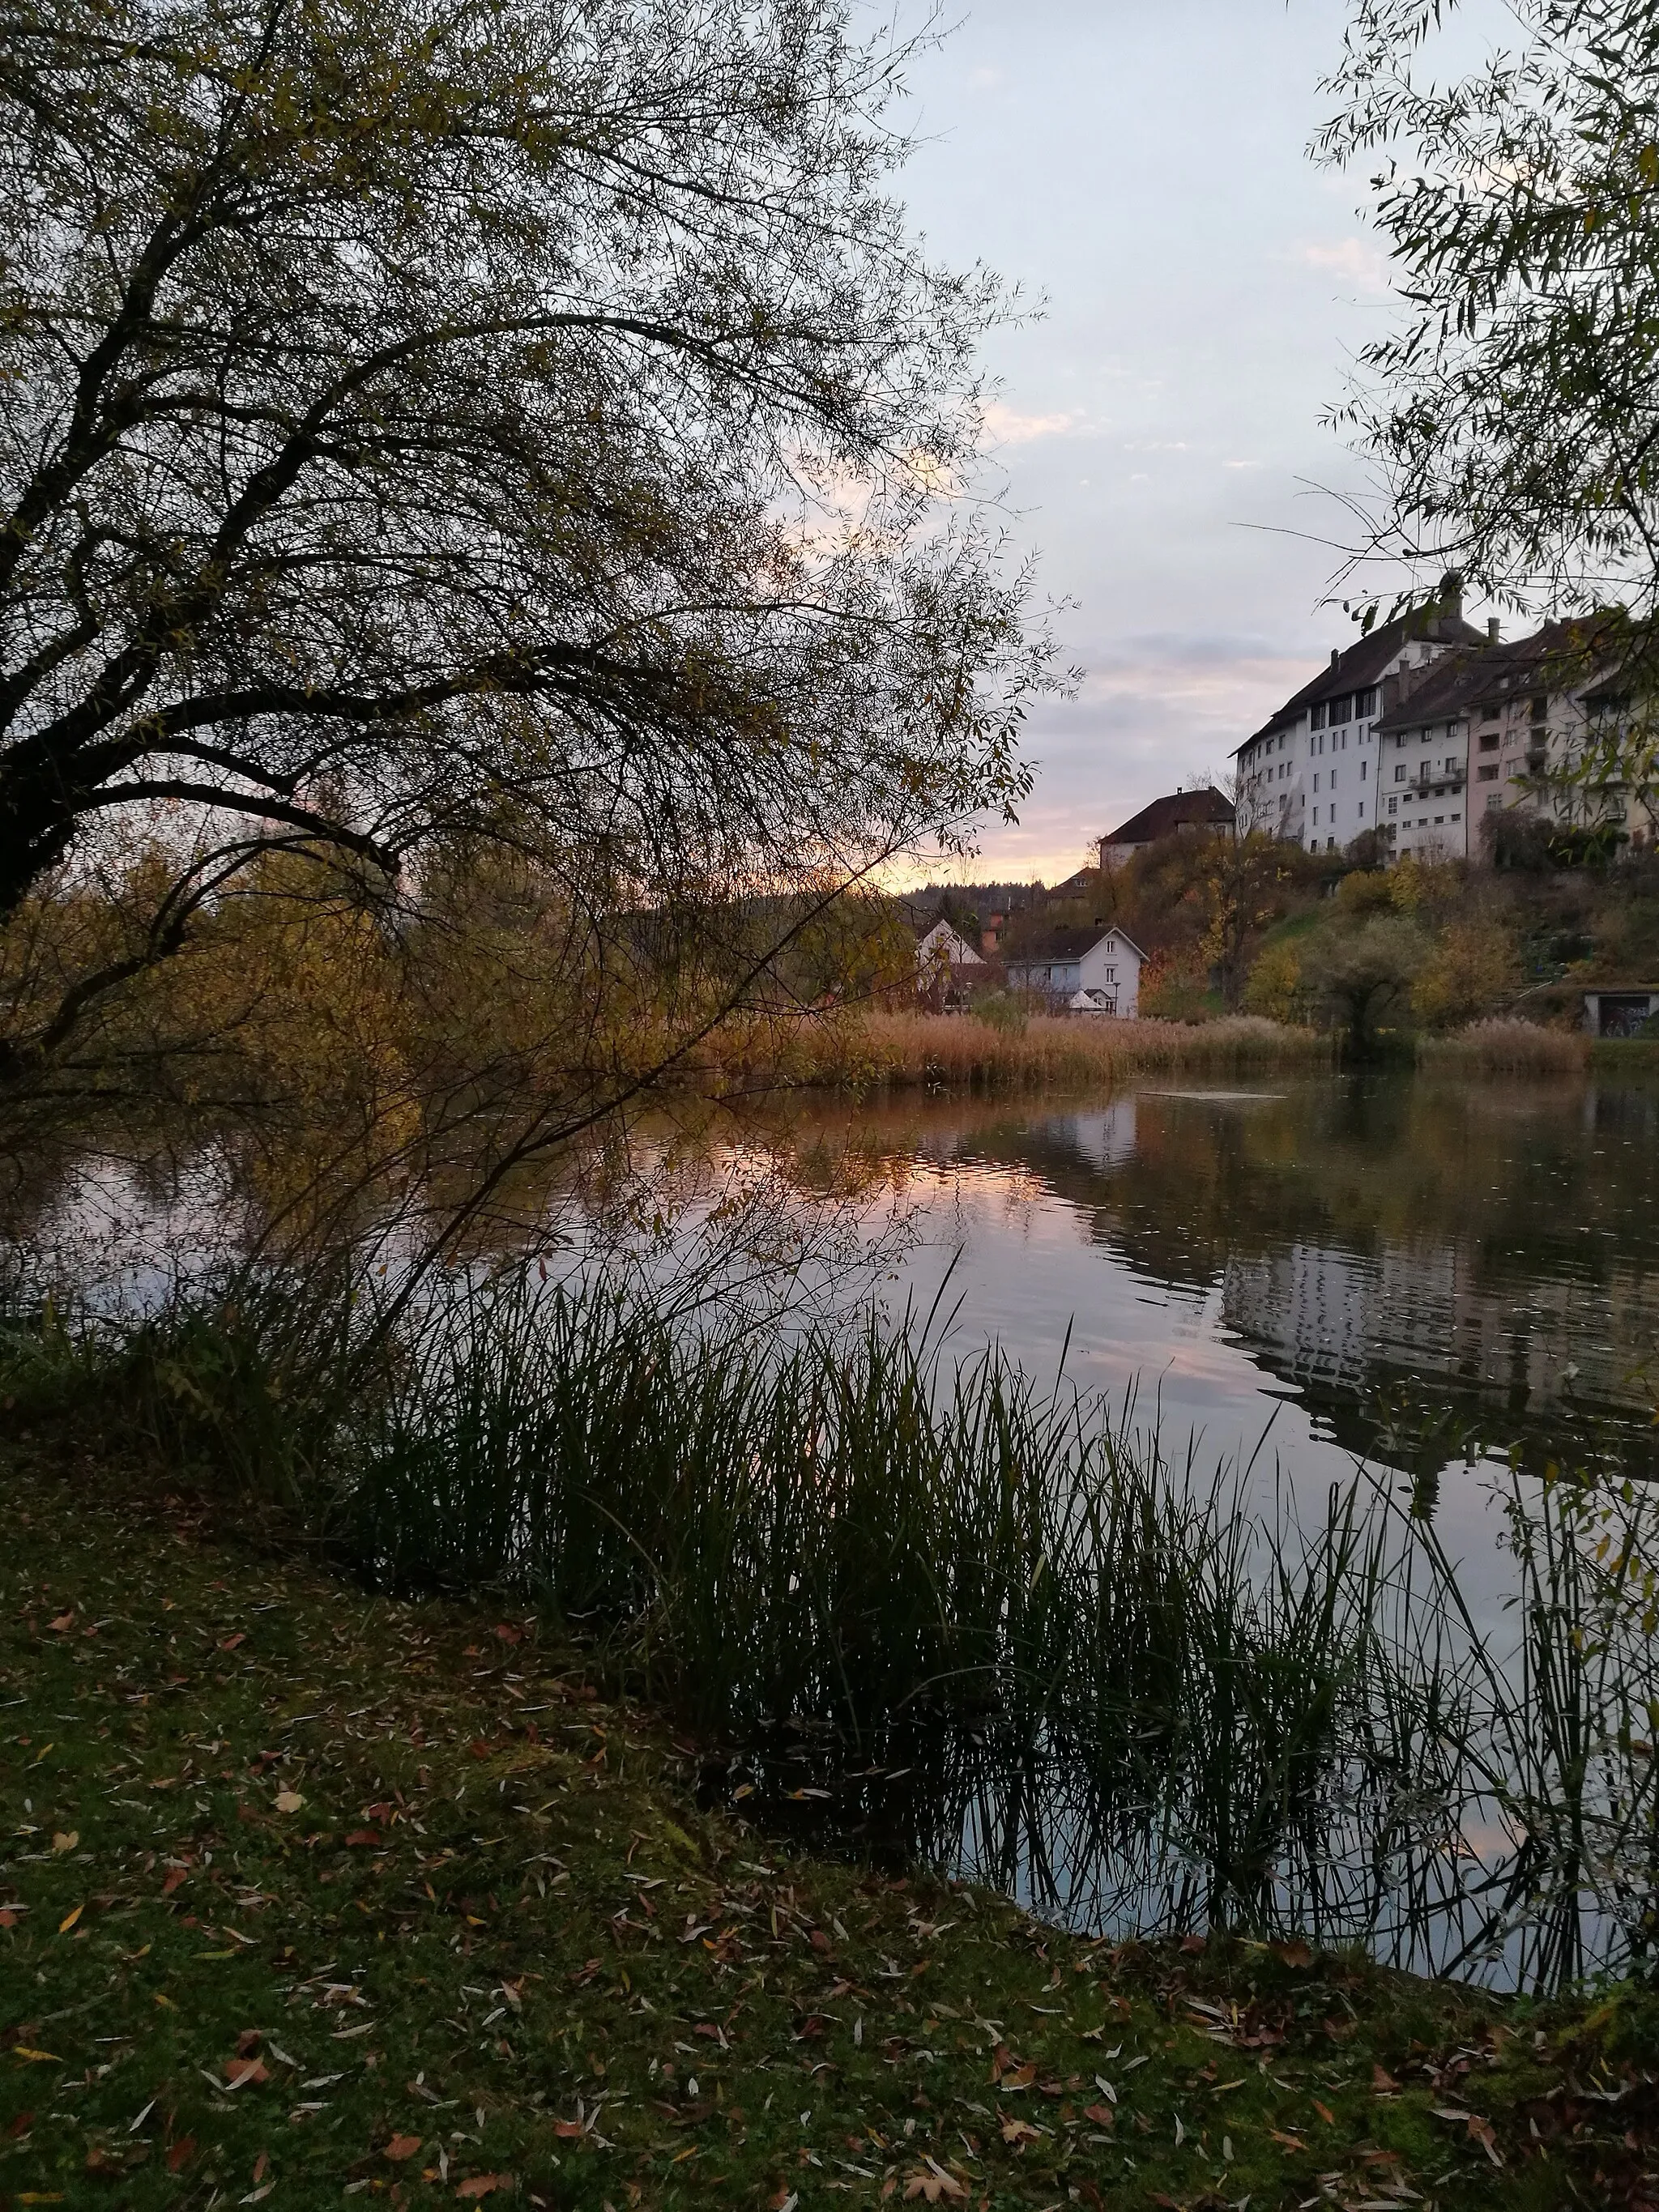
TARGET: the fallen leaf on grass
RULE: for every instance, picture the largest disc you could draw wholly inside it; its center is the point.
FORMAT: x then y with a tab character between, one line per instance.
247	2073
174	1880
360	1837
932	2184
64	1620
1020	2131
230	1642
1324	2112
181	2153
1102	2115
69	1919
288	1801
483	2184
1383	2081
569	2130
61	1843
402	2147
1291	1954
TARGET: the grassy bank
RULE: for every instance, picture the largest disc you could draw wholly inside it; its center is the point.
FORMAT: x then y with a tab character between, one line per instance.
940	1052
310	1892
1160	1701
1505	1047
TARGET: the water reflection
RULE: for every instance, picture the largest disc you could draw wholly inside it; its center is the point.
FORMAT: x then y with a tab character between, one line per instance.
1431	1273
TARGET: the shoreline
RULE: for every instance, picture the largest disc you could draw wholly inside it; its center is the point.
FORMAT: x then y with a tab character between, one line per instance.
314	1891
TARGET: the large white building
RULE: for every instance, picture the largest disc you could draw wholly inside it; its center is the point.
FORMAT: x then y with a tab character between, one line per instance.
1427	726
1311	774
1503	728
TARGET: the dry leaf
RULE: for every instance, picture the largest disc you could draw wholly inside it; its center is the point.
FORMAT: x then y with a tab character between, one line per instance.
69	1919
1020	2131
288	1801
1292	1954
569	2130
181	2153
64	1620
402	2147
247	2073
934	2185
61	1843
483	2184
1102	2115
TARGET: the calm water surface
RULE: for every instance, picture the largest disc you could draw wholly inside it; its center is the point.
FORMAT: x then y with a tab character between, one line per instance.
1391	1266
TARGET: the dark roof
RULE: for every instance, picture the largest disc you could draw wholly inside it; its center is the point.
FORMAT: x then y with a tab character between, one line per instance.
1553	658
1363	664
1069	945
1181	810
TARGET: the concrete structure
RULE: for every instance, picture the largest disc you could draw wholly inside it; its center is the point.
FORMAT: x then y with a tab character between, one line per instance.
1182	813
1309	774
1619	1010
1095	971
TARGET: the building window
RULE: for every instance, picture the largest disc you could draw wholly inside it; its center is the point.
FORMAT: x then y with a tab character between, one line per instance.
1365	705
1488	774
1333	778
1400	772
1493	798
1315	817
1316	779
1341	710
1316	718
1363	766
1457	818
1362	810
1540	708
1393	806
1489	741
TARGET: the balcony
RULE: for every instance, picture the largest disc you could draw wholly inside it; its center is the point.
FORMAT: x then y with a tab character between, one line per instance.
1439	779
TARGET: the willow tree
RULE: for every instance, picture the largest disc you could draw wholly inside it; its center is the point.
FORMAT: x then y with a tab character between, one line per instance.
1513	404
497	426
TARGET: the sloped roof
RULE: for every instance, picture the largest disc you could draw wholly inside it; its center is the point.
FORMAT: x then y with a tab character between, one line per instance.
1462	682
1071	944
1363	664
1181	810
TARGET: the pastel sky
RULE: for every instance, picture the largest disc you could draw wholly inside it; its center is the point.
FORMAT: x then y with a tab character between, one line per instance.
1141	165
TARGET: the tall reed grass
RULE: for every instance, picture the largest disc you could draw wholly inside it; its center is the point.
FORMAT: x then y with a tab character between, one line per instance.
1144	1696
1503	1046
958	1052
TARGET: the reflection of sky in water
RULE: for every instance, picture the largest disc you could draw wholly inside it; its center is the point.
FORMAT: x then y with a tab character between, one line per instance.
1036	1232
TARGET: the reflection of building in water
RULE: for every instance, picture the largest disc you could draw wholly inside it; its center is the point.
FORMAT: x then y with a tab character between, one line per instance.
1107	1139
1347	1320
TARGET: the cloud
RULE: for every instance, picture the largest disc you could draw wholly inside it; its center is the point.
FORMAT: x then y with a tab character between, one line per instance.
1010	427
1356	260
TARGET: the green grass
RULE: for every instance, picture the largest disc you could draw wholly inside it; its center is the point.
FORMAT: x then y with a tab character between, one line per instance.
1126	1694
496	1940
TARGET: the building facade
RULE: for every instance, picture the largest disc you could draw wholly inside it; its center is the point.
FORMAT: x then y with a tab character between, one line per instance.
1082	971
1309	774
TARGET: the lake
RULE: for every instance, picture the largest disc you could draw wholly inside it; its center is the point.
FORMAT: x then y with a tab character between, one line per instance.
1421	1273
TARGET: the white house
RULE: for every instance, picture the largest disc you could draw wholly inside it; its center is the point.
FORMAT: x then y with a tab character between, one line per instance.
946	947
1087	971
1311	774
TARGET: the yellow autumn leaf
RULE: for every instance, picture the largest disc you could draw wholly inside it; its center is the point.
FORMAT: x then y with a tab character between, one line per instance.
288	1801
69	1919
61	1843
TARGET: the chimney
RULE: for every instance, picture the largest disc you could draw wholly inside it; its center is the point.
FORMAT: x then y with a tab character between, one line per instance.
1390	693
1451	595
988	936
1335	655
1494	630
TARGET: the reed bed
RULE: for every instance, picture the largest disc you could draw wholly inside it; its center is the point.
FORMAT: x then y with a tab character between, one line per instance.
959	1052
1506	1047
1113	1683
